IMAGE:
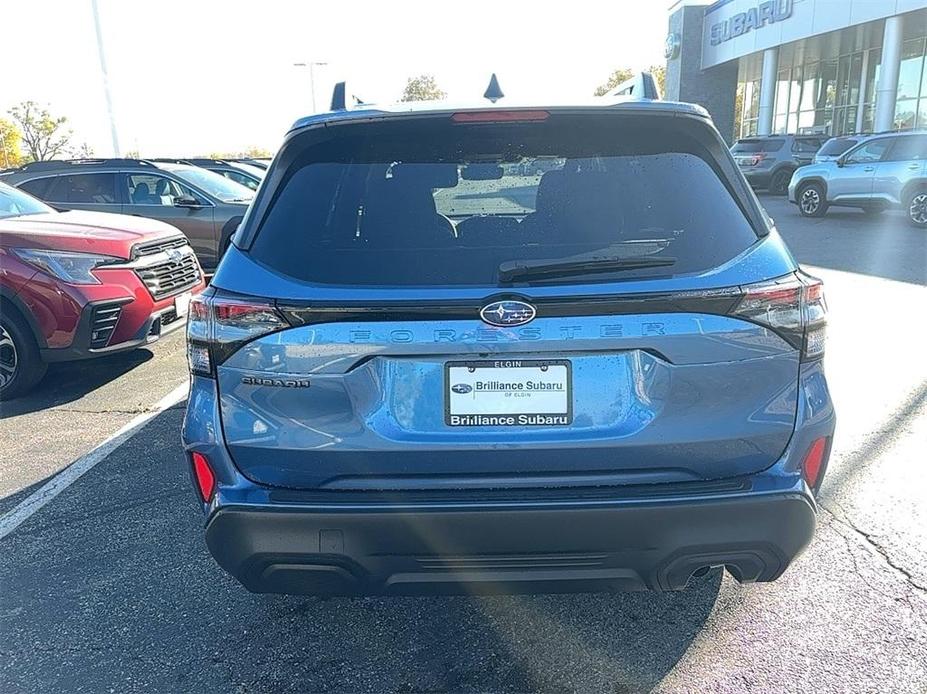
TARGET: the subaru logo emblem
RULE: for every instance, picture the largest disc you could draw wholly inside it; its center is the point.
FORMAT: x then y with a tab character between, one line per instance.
505	314
461	388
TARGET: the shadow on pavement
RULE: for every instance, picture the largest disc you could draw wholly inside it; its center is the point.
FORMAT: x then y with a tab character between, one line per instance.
883	245
69	381
111	587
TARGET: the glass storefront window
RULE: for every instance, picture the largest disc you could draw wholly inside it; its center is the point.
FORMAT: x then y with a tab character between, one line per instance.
809	86
912	63
905	114
828	93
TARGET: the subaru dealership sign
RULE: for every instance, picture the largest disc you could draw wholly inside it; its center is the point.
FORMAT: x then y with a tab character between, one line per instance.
754	18
732	29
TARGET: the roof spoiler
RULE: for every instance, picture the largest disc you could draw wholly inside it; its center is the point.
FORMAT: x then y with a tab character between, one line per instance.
640	86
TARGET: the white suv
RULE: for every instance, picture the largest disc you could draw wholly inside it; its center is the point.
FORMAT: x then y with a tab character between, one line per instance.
884	171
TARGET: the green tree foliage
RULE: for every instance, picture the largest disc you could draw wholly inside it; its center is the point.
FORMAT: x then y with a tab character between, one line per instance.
617	77
10	145
43	135
624	74
422	88
249	153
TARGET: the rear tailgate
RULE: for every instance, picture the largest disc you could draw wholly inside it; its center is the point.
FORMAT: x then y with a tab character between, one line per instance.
384	251
656	397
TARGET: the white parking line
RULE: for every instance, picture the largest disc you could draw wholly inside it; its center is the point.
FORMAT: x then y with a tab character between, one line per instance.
16	516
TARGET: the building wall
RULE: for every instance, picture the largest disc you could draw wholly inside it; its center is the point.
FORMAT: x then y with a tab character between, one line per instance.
714	88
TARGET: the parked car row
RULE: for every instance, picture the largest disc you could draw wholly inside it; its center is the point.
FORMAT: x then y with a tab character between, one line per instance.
82	284
872	172
205	205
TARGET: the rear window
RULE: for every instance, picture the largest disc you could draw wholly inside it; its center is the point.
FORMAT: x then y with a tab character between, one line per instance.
837	146
754	146
428	202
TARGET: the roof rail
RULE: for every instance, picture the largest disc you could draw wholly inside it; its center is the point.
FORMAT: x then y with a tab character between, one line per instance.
640	86
60	163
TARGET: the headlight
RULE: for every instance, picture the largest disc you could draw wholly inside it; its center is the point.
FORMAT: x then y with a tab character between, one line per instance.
74	268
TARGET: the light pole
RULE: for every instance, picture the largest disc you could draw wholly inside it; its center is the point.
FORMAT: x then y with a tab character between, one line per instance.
109	98
311	65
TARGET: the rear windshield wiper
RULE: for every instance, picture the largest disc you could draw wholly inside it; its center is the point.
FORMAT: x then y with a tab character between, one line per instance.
512	270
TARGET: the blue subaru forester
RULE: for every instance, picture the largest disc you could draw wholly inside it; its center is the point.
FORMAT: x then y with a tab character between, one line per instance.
497	349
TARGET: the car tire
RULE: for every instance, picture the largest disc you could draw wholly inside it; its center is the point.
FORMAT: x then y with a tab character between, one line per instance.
779	183
812	201
21	365
916	208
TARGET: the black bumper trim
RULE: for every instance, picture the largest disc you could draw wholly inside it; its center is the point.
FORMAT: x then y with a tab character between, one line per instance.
651	545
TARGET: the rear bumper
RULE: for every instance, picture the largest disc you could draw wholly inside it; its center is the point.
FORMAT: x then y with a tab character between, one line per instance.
554	547
757	179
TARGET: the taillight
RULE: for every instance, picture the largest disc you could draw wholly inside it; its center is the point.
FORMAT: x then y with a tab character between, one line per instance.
218	325
205	478
793	307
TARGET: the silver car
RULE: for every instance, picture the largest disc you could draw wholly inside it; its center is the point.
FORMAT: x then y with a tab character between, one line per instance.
882	172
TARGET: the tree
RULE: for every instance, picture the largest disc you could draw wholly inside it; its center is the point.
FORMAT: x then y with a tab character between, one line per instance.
624	74
11	154
85	151
43	135
251	152
422	88
617	77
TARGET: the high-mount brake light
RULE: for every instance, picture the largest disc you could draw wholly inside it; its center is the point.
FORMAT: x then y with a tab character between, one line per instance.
219	325
499	116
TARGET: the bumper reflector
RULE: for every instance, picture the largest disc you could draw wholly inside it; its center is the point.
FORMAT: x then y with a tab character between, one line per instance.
814	461
205	479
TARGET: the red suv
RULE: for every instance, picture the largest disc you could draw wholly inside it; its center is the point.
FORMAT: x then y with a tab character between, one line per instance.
75	285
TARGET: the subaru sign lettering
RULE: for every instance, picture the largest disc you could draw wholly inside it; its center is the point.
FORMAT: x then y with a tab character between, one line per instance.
768	12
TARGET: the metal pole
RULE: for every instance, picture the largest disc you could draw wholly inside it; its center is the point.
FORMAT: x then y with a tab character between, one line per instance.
764	125
861	107
886	91
312	84
109	98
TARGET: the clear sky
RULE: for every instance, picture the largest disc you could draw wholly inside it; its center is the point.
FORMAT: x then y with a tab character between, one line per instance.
194	76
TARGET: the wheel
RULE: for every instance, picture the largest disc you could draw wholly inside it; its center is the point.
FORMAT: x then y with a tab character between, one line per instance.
917	209
21	366
811	200
779	183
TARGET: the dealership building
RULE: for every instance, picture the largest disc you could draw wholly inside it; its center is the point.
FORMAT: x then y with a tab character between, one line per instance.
801	66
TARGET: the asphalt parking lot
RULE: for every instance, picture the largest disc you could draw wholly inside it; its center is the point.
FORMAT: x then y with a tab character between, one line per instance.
109	587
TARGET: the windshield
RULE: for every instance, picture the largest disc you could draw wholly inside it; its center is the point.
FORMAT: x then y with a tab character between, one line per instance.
364	209
15	203
837	146
216	185
754	146
256	171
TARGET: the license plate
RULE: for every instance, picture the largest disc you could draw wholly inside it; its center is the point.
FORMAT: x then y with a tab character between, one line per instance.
182	303
508	393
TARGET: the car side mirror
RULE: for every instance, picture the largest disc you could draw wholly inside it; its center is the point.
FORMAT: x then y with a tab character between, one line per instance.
841	162
186	201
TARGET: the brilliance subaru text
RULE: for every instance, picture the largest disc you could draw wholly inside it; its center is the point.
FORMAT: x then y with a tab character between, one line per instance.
430	364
